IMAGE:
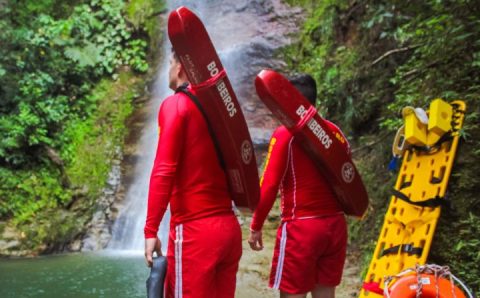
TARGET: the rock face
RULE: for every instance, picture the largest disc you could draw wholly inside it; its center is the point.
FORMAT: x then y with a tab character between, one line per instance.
9	240
99	229
247	35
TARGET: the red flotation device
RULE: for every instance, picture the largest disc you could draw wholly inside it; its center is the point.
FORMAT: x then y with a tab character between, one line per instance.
431	287
323	144
210	83
425	281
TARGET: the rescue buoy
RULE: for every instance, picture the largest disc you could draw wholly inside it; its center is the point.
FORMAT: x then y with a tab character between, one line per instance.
321	141
431	287
425	281
215	95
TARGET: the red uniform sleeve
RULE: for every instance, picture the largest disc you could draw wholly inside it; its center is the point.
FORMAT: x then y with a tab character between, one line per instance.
275	168
171	128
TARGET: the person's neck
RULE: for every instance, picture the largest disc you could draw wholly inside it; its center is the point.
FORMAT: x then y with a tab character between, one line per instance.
181	82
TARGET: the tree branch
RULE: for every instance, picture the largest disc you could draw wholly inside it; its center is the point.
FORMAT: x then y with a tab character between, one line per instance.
391	52
368	145
409	74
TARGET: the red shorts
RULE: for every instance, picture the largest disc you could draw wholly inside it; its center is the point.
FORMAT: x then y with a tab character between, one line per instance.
203	258
309	252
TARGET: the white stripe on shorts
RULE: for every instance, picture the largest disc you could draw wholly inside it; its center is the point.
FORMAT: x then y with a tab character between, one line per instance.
178	261
281	257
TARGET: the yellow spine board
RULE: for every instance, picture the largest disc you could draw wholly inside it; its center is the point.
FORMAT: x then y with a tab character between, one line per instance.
423	175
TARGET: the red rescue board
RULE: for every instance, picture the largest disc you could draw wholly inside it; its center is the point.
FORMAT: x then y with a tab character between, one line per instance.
209	82
322	144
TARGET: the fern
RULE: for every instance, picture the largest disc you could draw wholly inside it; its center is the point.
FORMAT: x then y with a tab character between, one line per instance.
86	56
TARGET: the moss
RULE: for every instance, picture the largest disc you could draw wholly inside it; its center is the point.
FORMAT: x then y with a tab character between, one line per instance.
142	14
140	11
101	138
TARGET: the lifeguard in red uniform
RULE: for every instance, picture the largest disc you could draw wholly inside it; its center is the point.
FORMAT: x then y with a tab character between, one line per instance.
205	238
311	242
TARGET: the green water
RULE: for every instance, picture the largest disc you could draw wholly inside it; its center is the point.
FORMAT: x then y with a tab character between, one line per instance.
106	274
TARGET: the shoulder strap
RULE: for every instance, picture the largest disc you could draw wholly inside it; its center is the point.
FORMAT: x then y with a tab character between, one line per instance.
183	89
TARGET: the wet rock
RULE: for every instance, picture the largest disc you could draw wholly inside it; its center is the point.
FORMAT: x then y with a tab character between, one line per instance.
10	242
9	245
99	229
260	136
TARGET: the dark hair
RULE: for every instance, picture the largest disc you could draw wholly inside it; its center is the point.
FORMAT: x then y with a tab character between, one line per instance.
306	85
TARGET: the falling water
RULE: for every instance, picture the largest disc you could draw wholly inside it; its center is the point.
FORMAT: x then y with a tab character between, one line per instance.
245	34
127	232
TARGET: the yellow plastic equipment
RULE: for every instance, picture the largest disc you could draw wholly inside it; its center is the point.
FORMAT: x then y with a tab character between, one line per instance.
440	120
414	209
415	130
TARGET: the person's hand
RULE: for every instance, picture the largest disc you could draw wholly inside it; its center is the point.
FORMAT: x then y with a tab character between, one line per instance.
151	245
255	240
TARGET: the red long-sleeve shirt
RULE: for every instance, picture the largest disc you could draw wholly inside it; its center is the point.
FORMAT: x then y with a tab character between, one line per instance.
304	190
186	172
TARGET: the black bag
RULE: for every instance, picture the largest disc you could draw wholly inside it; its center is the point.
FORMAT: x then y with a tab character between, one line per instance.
157	277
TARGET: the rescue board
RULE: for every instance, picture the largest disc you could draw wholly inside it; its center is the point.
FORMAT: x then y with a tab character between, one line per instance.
411	219
321	143
210	84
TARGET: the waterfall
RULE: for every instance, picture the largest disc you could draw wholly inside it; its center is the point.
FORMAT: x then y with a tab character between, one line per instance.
245	34
127	231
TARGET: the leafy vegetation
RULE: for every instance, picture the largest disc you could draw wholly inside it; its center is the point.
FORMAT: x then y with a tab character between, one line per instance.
70	71
372	58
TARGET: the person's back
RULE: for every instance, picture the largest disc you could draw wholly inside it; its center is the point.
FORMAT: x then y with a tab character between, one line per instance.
200	187
305	191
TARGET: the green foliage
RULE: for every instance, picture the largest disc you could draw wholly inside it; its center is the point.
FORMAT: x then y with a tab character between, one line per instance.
50	230
87	56
34	196
467	248
443	63
35	190
461	252
62	117
372	58
50	63
91	145
140	11
322	52
143	15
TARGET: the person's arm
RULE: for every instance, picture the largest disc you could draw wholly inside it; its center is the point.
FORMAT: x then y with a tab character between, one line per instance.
275	168
170	143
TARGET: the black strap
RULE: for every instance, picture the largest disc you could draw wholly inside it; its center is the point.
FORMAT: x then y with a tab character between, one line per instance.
406	248
448	136
183	89
405	184
433	202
